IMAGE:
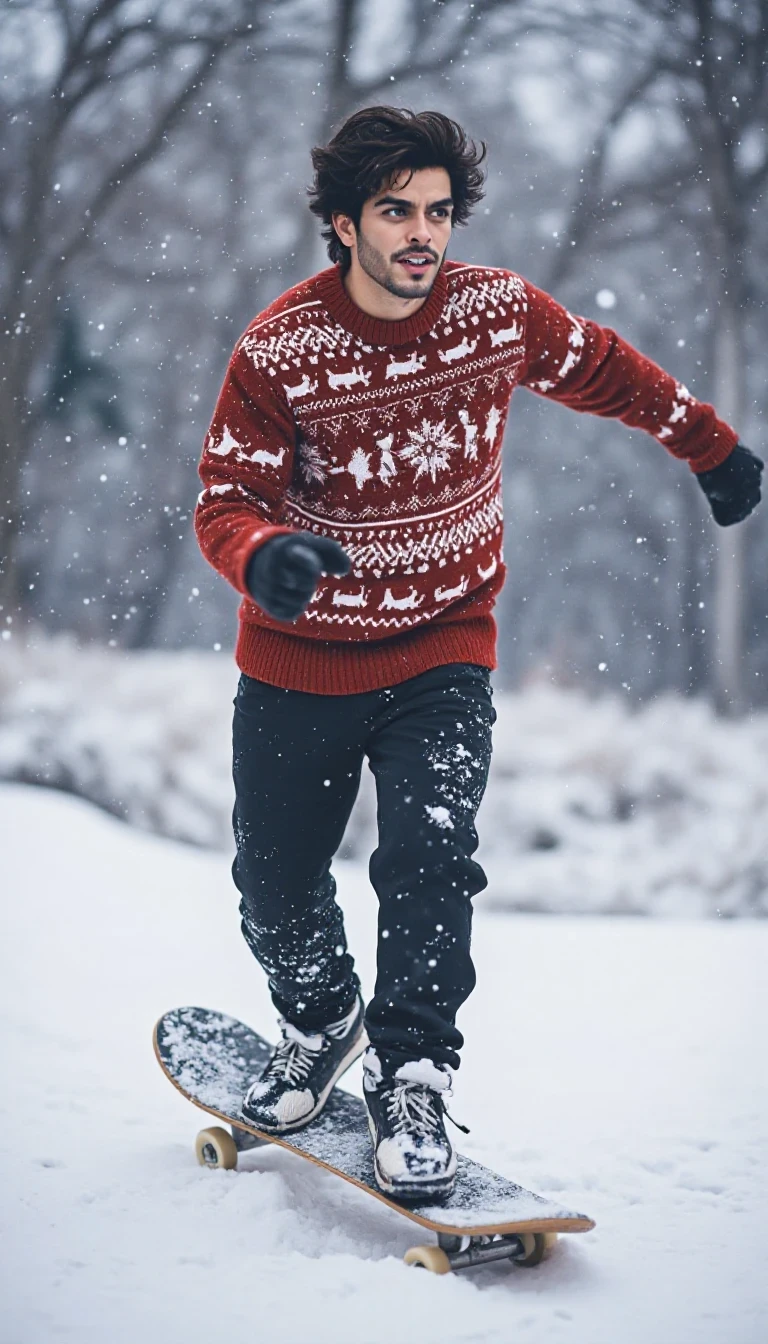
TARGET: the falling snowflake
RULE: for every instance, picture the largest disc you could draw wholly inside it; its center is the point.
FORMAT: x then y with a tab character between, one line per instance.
359	467
428	448
312	464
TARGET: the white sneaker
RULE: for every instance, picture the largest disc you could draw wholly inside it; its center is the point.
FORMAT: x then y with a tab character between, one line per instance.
301	1072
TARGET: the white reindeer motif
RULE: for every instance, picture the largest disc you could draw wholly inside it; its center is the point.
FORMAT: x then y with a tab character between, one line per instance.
358	599
302	389
225	445
263	458
387	467
570	362
410	602
349	379
678	411
448	594
413	364
506	334
576	334
492	425
470	435
486	574
458	351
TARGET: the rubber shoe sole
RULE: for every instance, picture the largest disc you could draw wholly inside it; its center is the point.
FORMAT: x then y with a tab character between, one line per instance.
359	1044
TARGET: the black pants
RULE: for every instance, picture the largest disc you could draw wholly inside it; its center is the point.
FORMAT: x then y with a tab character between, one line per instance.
297	761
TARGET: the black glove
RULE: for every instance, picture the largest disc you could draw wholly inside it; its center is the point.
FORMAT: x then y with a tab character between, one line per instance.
733	488
282	575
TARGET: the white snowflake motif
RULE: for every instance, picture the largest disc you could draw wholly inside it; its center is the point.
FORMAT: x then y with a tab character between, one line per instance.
312	464
428	448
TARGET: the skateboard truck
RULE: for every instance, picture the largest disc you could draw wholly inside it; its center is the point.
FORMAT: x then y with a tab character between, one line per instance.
245	1141
454	1252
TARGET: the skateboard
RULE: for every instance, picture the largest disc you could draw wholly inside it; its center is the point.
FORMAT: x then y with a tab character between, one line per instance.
211	1059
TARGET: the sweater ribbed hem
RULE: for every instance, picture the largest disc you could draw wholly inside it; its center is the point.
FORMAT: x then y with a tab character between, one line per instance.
336	668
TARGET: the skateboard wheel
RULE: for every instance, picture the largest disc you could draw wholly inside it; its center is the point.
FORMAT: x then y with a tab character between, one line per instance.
428	1257
535	1246
214	1147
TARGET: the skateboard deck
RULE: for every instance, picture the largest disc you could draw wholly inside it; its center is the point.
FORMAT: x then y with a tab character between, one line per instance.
211	1058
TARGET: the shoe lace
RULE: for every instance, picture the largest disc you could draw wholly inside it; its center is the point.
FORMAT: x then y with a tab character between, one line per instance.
291	1061
418	1109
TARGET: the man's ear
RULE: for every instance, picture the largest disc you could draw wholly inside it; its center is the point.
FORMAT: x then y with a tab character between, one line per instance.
345	229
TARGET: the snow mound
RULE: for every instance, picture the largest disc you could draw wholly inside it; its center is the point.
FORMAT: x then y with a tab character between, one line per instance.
621	1075
593	805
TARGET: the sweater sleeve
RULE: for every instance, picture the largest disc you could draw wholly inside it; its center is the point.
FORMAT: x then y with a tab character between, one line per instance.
590	368
245	469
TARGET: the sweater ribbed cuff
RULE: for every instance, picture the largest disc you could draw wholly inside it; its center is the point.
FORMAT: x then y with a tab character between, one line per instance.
717	451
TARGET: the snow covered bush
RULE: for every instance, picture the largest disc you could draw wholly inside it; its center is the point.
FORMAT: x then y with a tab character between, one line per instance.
592	806
144	735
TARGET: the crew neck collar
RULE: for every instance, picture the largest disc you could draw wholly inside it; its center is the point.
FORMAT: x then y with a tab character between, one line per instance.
378	330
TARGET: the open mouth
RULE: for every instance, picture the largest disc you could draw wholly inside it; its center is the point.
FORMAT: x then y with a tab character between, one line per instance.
416	265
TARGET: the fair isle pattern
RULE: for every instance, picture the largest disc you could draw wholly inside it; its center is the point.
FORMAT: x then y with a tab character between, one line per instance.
376	437
397	545
388	436
289	346
493	293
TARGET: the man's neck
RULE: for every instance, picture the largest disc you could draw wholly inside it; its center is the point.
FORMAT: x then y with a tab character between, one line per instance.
376	301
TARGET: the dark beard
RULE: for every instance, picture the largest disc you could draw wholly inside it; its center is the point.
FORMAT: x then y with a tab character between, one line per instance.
375	266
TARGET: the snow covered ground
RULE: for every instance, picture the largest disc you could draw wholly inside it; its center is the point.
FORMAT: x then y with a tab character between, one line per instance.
615	1063
593	805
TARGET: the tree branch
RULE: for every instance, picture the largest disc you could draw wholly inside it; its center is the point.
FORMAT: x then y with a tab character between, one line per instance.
134	162
584	205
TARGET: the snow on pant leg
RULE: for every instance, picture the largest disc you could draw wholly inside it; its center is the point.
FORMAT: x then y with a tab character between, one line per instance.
430	754
296	768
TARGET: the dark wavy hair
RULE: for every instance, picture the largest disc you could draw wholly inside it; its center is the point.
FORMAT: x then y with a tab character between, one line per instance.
373	147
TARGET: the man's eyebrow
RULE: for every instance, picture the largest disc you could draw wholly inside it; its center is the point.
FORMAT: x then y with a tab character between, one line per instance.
400	200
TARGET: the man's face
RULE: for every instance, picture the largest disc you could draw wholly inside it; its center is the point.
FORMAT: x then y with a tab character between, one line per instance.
404	232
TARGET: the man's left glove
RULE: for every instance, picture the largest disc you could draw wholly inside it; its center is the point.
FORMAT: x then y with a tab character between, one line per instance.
733	488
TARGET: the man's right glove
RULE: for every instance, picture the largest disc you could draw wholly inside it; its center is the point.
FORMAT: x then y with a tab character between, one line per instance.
733	488
282	574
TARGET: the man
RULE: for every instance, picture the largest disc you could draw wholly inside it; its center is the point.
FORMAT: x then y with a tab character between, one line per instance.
352	478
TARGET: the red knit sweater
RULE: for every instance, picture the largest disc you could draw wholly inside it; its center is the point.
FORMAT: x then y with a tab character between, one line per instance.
387	436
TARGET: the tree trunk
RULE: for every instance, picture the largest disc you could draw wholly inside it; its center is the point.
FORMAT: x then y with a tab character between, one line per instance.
730	402
22	348
15	439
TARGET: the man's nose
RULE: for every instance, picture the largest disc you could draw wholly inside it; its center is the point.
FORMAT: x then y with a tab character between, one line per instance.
420	230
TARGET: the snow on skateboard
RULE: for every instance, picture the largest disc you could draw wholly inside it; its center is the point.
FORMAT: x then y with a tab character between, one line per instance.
211	1059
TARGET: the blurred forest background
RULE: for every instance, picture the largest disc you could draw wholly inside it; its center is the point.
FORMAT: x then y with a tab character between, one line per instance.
152	186
153	176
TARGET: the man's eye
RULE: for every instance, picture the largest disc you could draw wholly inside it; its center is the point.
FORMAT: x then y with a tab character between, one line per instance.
441	211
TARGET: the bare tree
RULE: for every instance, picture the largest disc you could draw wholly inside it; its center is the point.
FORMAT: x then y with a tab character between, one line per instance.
437	37
704	63
82	123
